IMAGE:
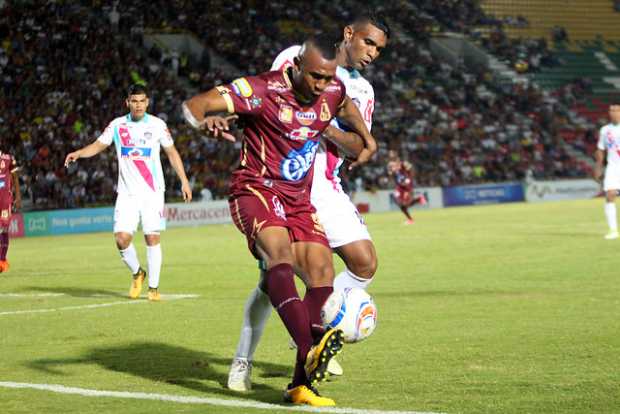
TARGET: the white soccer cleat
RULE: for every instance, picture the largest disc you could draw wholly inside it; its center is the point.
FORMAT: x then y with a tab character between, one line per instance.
239	375
334	368
612	235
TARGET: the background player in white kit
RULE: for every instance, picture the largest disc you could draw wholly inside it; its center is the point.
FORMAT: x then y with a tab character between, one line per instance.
138	137
609	140
346	232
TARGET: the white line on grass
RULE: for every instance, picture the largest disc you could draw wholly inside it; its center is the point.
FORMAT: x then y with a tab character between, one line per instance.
61	389
30	295
96	305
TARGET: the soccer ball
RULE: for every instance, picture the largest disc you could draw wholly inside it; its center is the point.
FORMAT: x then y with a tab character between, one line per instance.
351	310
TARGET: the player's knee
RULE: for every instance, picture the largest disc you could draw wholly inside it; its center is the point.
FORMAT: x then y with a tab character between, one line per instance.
122	240
364	265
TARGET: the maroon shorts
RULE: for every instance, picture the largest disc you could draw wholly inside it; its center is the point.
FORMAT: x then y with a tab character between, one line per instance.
256	207
6	204
403	197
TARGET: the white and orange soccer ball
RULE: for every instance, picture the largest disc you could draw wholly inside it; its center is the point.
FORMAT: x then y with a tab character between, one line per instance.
351	310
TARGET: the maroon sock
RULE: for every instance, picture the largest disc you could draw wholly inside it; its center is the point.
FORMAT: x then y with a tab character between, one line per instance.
314	300
404	210
280	283
4	244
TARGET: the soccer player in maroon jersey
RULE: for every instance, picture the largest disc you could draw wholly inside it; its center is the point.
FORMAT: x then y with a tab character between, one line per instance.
403	173
9	186
285	113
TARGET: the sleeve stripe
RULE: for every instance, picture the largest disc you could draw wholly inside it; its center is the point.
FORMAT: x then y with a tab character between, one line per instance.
229	102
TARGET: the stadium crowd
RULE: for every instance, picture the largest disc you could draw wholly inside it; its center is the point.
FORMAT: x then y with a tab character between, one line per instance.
456	126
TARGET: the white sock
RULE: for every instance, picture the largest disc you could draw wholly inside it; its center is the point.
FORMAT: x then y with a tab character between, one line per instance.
153	257
610	213
348	279
130	257
255	314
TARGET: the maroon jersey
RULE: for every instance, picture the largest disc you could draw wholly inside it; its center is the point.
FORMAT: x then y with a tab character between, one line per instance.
403	177
7	167
281	135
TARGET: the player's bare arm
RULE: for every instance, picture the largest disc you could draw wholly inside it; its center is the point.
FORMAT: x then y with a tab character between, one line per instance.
349	142
200	112
351	116
177	164
599	155
86	152
18	195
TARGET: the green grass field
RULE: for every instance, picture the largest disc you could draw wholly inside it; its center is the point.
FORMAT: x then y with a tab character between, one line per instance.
497	309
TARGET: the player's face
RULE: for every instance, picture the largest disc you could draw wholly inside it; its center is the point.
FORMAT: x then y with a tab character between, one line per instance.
614	114
363	44
312	74
137	105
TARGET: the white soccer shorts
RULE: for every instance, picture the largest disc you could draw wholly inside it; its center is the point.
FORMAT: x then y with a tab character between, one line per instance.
612	178
342	223
148	209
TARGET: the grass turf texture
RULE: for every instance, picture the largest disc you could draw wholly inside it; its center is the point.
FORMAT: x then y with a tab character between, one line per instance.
510	308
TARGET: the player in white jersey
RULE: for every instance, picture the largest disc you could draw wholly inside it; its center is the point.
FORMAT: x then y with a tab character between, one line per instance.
609	140
138	137
346	232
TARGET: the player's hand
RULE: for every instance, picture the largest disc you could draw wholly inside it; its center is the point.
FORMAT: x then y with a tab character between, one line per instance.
72	157
363	158
218	126
187	192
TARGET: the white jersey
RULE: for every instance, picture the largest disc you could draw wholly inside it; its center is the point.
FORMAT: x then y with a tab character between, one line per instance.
609	140
137	147
328	160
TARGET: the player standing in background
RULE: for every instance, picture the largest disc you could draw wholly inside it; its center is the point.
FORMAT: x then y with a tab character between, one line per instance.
403	174
138	137
609	140
285	113
363	40
9	186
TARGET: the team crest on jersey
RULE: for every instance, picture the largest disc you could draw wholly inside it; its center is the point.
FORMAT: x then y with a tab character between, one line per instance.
326	115
285	114
306	118
242	87
5	214
302	134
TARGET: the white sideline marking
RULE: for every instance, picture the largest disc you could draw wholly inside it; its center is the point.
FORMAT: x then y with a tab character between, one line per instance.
96	305
30	295
61	389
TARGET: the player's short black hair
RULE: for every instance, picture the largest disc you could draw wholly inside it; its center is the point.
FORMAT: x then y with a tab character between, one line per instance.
325	43
137	89
376	19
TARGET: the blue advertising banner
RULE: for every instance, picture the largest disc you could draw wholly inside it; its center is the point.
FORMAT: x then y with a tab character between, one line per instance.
85	220
468	195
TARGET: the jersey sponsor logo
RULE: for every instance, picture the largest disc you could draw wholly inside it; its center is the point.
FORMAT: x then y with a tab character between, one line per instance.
278	208
274	85
285	114
298	162
302	134
333	88
306	118
148	135
326	114
255	102
242	87
136	153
